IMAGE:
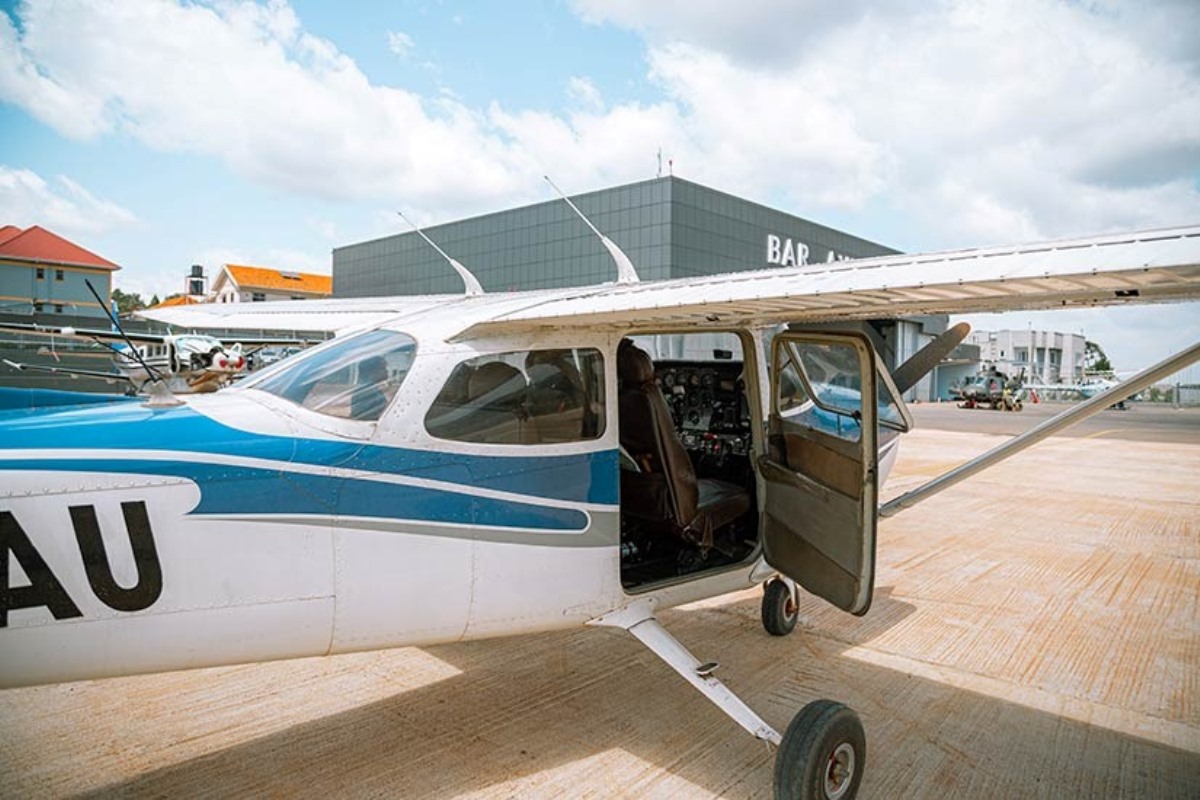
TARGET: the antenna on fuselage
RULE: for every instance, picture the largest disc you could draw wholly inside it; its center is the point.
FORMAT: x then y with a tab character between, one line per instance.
133	354
469	280
159	395
626	273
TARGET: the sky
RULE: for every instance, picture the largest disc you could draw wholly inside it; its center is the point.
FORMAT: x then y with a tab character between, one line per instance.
161	134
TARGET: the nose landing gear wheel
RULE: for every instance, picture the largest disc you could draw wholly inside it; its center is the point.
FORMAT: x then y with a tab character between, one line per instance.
779	609
822	754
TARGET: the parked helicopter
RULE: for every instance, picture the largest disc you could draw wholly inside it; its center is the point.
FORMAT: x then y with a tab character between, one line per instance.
484	465
990	388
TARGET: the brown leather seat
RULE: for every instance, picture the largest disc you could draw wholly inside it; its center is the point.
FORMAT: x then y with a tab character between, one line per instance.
666	490
555	398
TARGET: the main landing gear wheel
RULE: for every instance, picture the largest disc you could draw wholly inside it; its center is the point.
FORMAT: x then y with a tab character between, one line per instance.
822	754
779	609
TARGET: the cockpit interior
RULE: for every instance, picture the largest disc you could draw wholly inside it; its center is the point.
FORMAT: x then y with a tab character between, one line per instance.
687	482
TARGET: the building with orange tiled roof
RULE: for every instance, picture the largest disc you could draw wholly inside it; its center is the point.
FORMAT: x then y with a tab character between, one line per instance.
178	300
43	273
239	283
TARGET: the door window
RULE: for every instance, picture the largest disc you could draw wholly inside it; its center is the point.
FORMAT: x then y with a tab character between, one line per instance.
820	384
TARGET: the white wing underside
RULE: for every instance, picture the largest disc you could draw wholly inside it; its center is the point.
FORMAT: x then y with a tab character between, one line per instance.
1144	267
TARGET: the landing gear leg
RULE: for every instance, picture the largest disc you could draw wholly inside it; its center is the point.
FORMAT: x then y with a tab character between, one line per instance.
823	751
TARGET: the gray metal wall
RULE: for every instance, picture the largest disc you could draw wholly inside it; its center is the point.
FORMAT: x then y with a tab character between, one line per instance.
669	228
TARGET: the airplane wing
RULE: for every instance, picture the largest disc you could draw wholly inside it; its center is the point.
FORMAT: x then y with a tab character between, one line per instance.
328	316
111	377
1143	267
1150	266
89	334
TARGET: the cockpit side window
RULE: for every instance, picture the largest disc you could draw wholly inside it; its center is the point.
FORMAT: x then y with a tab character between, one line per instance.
526	397
352	379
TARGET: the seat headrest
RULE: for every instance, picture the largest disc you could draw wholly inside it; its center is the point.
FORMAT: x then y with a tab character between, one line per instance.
492	376
373	370
545	366
634	365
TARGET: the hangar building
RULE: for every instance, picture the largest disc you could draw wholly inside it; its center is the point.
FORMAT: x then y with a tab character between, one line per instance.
669	228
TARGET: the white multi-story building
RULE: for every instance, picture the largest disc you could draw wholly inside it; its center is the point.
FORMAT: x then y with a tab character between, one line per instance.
1043	356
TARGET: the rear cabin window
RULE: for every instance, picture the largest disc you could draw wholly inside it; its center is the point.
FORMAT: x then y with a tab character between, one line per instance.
527	397
352	379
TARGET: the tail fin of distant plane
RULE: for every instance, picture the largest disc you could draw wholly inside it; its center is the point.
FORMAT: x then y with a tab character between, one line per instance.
924	360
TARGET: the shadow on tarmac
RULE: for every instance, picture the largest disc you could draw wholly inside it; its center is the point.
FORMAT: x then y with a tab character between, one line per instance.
592	713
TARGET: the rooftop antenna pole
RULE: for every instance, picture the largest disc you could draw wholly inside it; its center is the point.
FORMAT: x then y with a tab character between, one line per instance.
469	281
626	273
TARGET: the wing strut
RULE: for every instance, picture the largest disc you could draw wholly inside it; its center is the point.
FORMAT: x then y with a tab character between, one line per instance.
1098	403
638	619
111	377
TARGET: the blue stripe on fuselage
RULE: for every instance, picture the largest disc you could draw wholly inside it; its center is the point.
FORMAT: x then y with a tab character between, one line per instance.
229	490
579	478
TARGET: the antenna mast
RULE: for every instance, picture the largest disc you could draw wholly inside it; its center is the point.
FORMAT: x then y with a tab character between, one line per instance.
626	273
470	282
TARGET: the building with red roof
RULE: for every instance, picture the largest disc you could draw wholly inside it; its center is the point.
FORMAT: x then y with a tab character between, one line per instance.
41	272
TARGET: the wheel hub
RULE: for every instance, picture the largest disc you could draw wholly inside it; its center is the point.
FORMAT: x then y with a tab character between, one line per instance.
839	772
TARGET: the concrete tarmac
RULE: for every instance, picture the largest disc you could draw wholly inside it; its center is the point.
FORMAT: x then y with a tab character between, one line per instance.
1035	633
1139	422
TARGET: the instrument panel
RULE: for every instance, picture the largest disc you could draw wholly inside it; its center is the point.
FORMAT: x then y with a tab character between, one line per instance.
708	405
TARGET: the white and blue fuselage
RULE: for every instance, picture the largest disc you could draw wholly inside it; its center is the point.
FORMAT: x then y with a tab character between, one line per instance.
242	527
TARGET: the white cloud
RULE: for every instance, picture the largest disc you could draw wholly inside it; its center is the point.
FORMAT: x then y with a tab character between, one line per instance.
585	94
246	84
979	120
63	206
970	121
753	32
400	43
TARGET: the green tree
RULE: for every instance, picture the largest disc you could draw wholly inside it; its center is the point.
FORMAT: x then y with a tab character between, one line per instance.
127	302
1095	359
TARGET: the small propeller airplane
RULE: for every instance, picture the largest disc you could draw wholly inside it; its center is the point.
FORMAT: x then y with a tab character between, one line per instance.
481	465
190	362
185	362
1089	387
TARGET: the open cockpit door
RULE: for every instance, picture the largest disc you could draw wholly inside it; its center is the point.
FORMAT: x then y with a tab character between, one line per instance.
821	469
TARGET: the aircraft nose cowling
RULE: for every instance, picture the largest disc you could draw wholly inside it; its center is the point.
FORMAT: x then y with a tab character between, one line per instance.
141	441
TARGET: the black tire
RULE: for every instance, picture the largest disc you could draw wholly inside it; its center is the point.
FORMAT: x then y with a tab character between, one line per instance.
779	609
822	754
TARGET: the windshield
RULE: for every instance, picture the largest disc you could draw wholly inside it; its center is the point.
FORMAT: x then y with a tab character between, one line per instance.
355	378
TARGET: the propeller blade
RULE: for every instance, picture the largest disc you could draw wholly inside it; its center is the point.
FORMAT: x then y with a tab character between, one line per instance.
928	357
